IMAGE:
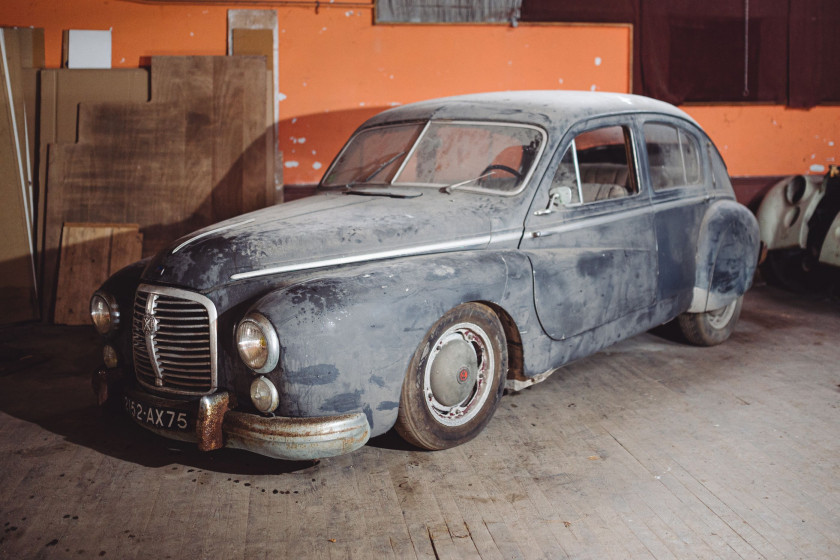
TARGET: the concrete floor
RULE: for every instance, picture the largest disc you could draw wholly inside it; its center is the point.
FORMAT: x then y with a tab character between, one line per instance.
650	449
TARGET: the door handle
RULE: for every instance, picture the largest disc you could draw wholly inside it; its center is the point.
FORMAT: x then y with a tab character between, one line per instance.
542	233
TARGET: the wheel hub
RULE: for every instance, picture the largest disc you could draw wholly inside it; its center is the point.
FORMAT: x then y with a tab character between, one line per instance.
454	372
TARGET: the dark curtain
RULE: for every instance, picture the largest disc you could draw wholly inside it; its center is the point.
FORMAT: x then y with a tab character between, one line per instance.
814	52
777	51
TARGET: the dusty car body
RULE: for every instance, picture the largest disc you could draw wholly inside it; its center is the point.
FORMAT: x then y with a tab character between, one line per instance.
455	247
799	225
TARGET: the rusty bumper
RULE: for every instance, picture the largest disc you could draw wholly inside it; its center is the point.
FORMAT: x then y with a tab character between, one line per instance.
214	425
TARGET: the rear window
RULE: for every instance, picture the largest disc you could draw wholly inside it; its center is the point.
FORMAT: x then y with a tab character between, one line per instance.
673	155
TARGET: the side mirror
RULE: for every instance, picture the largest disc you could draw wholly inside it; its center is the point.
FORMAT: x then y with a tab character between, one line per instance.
563	194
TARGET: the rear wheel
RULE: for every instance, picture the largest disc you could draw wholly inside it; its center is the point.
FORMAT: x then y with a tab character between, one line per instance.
455	379
710	327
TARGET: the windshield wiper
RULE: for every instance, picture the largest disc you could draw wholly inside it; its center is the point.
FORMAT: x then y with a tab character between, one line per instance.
379	169
450	188
383	192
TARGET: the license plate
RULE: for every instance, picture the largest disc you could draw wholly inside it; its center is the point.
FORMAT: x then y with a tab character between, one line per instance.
157	416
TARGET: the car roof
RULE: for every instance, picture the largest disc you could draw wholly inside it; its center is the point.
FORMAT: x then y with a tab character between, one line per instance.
551	109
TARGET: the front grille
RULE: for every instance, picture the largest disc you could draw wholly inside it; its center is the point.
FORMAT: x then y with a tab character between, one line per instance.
174	340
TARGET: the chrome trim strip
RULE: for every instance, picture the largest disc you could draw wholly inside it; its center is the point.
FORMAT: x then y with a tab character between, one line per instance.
211	232
505	236
411	251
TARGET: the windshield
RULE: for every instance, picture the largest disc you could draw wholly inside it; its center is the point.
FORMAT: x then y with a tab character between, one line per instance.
494	157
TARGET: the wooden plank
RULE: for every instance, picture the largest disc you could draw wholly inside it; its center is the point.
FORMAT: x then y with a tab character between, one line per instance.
90	253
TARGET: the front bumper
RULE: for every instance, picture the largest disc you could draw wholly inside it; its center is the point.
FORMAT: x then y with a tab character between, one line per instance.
217	426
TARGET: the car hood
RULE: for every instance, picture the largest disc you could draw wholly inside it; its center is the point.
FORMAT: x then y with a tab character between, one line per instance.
324	230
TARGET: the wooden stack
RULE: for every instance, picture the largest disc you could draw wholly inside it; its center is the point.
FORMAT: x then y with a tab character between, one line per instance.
200	151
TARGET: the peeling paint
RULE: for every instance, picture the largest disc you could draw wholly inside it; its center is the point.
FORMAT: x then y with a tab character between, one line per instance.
291	164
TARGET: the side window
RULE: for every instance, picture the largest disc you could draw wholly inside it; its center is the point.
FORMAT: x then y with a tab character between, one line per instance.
674	157
597	166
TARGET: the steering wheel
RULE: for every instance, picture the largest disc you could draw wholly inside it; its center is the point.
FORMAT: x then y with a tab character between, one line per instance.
504	168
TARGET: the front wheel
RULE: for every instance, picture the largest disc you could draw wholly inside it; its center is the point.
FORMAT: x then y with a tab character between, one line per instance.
710	327
455	379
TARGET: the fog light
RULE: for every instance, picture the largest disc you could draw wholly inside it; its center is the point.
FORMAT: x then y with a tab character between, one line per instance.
110	356
264	395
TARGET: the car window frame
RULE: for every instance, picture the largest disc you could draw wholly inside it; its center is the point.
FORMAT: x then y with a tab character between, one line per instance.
687	128
425	125
583	209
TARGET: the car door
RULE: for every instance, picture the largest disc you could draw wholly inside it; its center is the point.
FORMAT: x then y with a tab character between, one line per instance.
680	192
593	253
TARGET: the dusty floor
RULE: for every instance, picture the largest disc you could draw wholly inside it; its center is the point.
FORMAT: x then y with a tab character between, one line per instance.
651	449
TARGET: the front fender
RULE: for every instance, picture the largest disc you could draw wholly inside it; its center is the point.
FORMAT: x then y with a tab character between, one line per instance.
727	255
347	337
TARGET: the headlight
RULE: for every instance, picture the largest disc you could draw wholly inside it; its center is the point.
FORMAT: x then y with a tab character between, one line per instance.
104	312
257	343
795	190
264	395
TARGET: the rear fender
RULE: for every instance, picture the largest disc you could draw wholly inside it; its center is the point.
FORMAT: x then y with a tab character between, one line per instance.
727	255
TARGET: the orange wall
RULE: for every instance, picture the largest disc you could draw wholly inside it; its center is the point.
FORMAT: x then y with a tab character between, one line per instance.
336	68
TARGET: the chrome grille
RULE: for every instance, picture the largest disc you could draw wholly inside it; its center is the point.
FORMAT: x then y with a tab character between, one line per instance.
174	340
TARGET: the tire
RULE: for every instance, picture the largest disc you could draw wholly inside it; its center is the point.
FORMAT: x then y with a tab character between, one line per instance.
455	379
710	327
794	271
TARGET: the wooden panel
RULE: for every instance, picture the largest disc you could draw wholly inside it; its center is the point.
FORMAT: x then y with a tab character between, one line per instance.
651	449
195	154
90	253
254	42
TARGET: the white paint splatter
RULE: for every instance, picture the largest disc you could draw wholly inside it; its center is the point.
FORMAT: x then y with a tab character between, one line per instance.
348	13
316	165
391	77
560	81
831	143
361	104
297	140
281	96
597	61
593	87
394	104
122	60
291	164
314	152
813	156
192	34
817	168
294	120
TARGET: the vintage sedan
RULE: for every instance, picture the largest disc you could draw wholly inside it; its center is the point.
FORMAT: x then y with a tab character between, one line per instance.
799	228
455	247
